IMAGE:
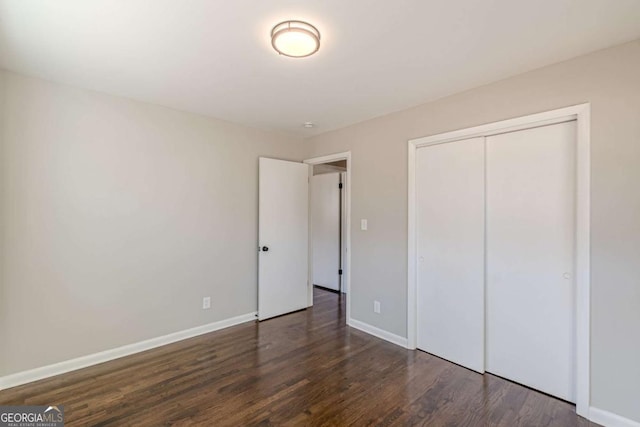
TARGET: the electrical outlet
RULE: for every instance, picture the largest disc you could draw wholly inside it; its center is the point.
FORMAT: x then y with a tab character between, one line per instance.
206	303
376	307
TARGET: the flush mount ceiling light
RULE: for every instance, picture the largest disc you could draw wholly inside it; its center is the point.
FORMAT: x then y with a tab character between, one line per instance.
296	39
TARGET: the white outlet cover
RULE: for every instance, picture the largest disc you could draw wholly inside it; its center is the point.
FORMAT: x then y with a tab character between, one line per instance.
206	303
376	307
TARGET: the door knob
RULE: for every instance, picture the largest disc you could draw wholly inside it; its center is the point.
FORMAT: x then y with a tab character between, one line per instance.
265	249
567	275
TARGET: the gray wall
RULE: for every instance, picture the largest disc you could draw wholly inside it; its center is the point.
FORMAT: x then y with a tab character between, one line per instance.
610	80
117	217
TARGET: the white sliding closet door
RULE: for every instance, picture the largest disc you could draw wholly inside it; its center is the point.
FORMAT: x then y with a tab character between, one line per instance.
450	226
530	257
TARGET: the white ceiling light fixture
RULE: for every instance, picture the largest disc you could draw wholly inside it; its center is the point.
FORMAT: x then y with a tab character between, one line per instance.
296	39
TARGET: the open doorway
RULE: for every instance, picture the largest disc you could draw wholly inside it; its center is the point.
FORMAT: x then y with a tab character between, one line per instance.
326	214
329	230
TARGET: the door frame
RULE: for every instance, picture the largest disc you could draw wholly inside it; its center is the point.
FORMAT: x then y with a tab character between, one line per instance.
346	155
581	113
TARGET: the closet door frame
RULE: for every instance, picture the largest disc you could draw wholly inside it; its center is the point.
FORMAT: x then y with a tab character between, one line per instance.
581	114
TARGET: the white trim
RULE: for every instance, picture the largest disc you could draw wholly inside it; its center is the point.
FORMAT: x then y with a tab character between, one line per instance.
583	260
412	288
580	113
510	125
36	374
377	332
609	419
346	155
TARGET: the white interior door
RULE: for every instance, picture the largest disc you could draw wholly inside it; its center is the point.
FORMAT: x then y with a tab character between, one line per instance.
344	283
325	229
283	237
450	227
530	257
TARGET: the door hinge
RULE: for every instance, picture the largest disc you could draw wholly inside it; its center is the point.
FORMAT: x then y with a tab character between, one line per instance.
340	186
340	272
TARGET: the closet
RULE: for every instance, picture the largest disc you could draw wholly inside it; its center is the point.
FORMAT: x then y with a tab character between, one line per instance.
495	224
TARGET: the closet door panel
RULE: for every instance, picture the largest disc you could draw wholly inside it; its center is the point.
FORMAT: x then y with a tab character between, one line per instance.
450	227
530	257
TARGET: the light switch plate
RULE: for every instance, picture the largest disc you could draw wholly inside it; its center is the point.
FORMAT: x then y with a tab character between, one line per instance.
363	224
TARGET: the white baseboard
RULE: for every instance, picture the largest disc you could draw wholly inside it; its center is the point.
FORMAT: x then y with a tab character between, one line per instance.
36	374
377	332
609	419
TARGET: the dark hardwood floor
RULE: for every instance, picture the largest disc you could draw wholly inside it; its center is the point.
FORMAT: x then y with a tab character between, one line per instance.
306	368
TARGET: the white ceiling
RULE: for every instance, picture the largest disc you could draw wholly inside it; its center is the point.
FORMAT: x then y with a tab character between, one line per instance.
377	56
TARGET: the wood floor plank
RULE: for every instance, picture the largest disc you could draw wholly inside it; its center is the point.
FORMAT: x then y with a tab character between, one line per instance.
306	368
